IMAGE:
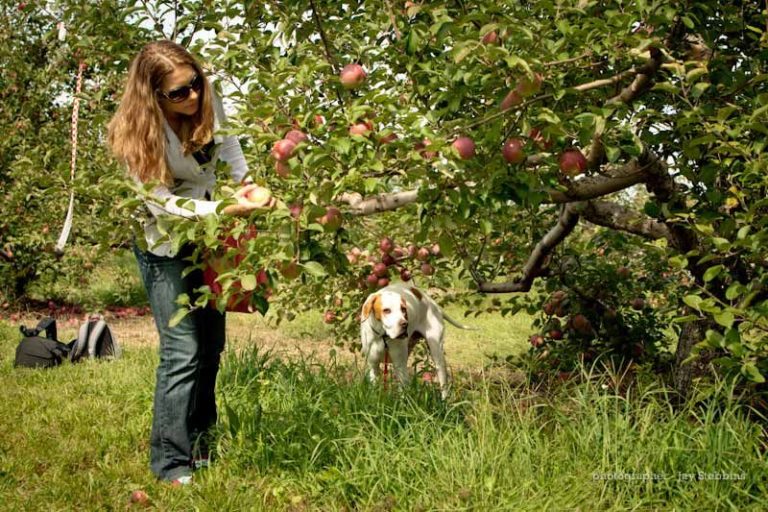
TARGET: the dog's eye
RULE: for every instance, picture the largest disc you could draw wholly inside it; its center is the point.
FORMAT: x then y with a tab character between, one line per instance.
386	311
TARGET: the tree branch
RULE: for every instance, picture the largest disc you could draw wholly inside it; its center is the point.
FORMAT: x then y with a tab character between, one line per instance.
534	267
642	81
615	216
379	203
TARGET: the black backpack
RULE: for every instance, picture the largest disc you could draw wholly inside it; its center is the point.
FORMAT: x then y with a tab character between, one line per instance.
36	351
94	339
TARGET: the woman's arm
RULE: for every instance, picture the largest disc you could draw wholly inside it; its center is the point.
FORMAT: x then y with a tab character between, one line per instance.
230	150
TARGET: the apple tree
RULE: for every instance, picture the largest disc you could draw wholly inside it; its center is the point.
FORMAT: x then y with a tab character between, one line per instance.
599	163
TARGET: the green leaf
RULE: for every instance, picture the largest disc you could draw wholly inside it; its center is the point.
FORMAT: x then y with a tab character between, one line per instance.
248	282
734	291
712	272
750	371
693	301
314	268
725	318
178	317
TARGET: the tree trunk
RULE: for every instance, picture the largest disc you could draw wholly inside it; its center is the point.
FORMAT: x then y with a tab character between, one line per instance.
692	333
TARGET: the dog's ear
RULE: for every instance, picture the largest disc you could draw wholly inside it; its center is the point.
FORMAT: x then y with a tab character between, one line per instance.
416	292
372	304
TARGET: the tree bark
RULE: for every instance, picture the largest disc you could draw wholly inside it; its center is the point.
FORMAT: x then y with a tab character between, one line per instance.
692	333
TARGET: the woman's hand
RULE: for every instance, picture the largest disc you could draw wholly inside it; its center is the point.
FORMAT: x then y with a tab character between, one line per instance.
250	198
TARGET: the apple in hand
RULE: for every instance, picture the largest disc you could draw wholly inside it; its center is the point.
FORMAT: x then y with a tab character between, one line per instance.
256	196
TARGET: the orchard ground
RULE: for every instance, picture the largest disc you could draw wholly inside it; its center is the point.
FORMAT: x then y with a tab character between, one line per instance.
299	429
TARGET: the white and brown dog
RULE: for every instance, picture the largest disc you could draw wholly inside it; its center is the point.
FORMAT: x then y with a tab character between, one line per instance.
393	319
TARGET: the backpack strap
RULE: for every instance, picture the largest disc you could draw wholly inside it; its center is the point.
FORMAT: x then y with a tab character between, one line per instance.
47	324
93	337
80	343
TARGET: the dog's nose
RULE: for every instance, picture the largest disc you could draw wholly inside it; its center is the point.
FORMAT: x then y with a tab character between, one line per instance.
403	323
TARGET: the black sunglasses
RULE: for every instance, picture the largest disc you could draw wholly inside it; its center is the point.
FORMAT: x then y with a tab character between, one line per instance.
182	93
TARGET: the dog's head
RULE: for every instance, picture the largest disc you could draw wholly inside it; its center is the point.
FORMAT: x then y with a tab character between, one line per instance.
389	309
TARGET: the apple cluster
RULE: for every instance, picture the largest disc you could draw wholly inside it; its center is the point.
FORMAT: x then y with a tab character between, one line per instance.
390	257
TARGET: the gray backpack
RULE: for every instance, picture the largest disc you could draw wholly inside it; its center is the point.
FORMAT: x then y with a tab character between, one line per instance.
95	339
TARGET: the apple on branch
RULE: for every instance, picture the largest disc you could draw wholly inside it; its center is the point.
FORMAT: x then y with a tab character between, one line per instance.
572	162
465	147
513	151
352	76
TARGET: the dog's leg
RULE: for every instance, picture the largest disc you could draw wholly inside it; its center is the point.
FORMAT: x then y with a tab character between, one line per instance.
398	353
434	337
373	351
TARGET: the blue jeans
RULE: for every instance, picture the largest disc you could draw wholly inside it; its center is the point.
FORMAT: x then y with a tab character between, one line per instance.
190	352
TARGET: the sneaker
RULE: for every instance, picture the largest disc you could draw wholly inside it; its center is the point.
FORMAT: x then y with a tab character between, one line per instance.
181	481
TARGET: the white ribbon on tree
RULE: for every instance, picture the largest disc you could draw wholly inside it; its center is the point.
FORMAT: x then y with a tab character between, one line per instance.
65	230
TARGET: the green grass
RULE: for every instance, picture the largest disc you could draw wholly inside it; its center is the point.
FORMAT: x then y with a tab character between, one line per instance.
301	434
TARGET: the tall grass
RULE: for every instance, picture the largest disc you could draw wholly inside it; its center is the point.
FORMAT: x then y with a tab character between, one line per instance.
306	434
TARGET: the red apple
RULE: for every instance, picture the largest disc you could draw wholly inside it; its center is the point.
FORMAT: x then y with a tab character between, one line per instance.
362	128
513	151
491	38
511	99
529	85
411	250
405	274
638	303
435	249
581	324
387	259
556	334
282	169
465	147
352	76
329	317
420	147
380	269
258	196
319	120
382	282
427	269
386	245
283	149
332	219
262	278
296	136
623	272
427	377
295	210
422	254
549	309
572	162
536	340
386	139
372	280
140	498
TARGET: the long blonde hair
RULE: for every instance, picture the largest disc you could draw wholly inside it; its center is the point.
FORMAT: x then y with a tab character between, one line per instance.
135	133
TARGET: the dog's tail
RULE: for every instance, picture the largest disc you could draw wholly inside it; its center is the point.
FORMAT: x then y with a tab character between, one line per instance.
457	324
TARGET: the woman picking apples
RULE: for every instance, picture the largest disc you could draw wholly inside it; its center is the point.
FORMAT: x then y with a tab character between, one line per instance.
164	131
